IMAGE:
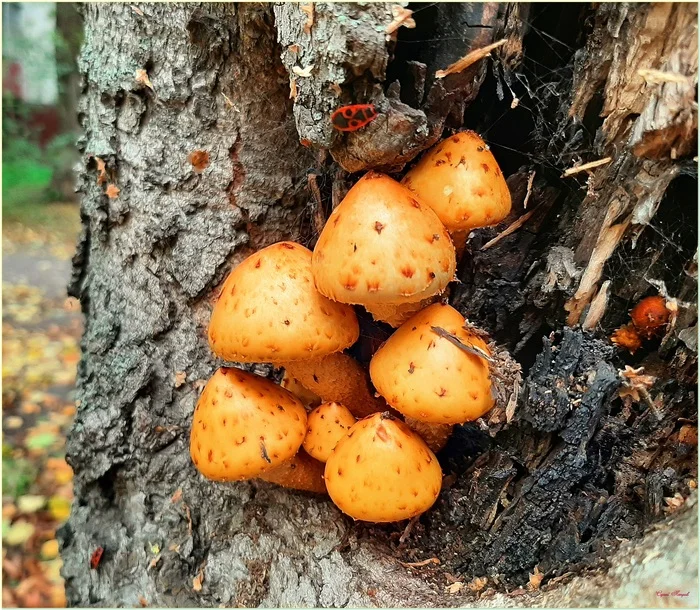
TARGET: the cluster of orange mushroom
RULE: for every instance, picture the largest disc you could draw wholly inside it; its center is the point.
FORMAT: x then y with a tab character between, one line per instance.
387	247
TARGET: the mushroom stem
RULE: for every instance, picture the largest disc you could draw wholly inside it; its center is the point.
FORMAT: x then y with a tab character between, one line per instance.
338	378
396	314
307	397
459	239
434	435
301	472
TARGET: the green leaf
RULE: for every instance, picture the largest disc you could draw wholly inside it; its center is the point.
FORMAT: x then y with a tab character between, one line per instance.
17	476
41	441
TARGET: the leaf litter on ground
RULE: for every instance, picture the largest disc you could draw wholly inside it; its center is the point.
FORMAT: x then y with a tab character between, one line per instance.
40	356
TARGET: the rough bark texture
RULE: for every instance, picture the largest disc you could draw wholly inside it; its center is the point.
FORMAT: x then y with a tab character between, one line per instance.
188	108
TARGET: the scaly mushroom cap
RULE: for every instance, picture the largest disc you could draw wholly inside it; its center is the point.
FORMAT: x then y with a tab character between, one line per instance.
461	181
426	377
269	311
325	426
244	425
382	471
380	245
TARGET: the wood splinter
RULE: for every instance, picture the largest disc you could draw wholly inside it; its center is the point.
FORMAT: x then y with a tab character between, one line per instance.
586	166
470	58
420	564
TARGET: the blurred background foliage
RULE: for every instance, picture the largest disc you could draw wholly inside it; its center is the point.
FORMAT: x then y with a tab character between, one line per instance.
41	327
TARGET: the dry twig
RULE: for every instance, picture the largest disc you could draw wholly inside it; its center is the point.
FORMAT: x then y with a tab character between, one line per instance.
420	564
470	349
511	229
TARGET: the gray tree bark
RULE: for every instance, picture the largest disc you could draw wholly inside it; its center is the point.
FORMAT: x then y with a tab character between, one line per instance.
193	158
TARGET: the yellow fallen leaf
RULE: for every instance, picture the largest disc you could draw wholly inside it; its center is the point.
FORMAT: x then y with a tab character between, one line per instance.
59	508
52	570
49	550
30	504
477	584
18	533
60	470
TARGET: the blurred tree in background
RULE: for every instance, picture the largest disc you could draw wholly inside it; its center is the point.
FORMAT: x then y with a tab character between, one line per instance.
40	88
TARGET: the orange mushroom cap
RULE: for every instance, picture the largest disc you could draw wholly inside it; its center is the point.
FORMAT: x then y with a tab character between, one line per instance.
382	471
244	425
428	378
461	181
326	425
650	315
269	311
380	245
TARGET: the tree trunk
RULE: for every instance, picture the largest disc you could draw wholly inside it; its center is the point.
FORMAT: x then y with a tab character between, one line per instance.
186	110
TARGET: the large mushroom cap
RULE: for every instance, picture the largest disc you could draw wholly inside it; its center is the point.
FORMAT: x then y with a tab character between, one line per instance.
461	181
244	425
380	245
270	311
382	471
427	377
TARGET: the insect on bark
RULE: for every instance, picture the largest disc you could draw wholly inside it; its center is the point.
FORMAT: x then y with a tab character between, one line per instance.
354	117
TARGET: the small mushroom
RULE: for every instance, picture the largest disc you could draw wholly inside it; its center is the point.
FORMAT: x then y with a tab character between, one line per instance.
270	311
244	426
382	471
427	377
650	316
326	425
461	181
